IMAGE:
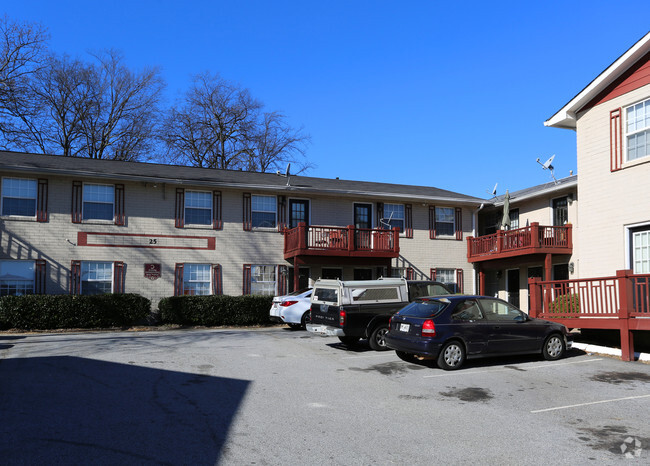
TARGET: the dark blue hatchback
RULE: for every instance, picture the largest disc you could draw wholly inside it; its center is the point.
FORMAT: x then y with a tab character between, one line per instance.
452	328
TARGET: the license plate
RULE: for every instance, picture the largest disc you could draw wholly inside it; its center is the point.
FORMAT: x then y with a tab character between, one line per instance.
404	327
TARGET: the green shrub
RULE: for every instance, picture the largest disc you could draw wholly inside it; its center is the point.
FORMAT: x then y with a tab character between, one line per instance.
566	304
215	310
38	312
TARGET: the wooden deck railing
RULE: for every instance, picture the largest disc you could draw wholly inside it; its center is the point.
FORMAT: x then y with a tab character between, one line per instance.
619	302
304	239
526	240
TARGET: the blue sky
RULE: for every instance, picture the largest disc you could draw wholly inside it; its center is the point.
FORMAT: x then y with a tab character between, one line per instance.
432	93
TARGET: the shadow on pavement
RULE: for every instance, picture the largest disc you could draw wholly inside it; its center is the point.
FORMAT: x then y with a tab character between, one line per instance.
68	410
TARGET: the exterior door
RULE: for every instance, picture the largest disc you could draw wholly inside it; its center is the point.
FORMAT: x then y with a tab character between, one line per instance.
512	286
303	278
640	250
363	215
298	212
560	211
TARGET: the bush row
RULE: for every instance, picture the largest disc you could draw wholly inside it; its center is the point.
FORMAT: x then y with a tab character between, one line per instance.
215	310
39	312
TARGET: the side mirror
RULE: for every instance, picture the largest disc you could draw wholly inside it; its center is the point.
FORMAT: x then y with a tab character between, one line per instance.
521	318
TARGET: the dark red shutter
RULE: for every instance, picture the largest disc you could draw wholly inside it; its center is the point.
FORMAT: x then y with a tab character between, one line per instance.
247	214
380	215
615	140
246	285
178	280
77	201
408	220
410	273
119	205
283	275
40	276
459	280
118	278
432	274
41	201
217	283
180	208
216	210
282	213
75	277
432	222
459	223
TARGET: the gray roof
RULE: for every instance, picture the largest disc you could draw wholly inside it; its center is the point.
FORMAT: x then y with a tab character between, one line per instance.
539	190
193	176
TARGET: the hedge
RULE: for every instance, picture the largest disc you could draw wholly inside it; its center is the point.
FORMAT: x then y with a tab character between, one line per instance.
39	312
566	304
215	310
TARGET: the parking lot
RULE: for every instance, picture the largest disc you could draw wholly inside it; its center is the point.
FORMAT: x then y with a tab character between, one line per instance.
277	396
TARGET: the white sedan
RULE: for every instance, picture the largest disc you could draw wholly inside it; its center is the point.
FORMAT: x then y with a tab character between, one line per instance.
292	309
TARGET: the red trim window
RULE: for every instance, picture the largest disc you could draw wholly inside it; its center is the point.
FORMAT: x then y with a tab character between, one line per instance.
445	222
96	277
98	202
197	279
261	279
23	197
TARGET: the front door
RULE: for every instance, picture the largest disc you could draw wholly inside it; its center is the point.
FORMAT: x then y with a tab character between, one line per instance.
362	215
303	278
560	211
298	212
512	286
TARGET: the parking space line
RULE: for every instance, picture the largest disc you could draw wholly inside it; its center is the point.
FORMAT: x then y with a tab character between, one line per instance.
504	369
590	403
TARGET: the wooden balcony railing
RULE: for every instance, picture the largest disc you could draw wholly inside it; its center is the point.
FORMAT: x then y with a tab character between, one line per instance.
340	241
620	302
527	240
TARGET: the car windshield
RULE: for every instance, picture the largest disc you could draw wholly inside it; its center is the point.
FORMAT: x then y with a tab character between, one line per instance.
423	308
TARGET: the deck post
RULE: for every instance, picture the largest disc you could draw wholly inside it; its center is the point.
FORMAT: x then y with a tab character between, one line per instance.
535	297
534	235
395	239
351	238
626	300
499	240
481	281
469	246
302	236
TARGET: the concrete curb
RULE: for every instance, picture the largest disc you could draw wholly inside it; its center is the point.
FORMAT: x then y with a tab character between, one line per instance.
644	357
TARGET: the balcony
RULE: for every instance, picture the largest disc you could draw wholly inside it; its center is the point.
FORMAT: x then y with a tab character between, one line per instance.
533	239
347	241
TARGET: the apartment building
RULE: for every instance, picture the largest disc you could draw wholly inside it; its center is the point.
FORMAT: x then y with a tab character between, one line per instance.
76	225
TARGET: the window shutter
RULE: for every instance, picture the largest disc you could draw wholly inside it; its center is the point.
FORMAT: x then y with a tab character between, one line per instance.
77	201
615	139
247	215
380	214
75	277
432	222
178	280
217	283
408	220
432	274
459	223
180	207
282	213
119	205
283	274
41	201
216	210
118	278
410	273
40	275
246	286
459	280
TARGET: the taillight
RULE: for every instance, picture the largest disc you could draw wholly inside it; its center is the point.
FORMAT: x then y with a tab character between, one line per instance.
341	317
428	328
287	303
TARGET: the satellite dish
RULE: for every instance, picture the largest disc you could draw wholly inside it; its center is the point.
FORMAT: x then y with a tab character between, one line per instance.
494	190
286	172
547	166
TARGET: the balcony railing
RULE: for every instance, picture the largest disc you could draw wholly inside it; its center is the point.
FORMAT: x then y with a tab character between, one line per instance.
340	241
527	240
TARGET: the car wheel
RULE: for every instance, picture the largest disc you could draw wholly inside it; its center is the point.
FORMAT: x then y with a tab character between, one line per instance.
408	357
349	341
377	338
452	356
554	347
306	319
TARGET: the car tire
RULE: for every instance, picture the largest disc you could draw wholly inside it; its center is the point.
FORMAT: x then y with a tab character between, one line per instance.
554	347
408	357
377	340
349	341
306	319
452	355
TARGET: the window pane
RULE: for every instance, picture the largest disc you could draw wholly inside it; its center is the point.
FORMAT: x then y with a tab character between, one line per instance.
394	216
96	211
263	203
198	208
448	277
263	219
263	280
263	211
198	216
19	197
16	278
98	193
23	207
445	221
196	279
96	277
98	202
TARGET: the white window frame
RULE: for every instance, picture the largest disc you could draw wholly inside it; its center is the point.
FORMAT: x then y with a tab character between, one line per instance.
85	264
272	291
84	199
188	280
2	193
275	212
386	216
453	276
33	280
637	131
629	245
453	222
188	194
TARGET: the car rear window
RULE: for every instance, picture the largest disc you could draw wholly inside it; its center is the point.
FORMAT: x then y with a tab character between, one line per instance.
374	294
425	308
326	295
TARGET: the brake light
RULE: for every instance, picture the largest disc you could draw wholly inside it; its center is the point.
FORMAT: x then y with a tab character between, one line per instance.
428	328
287	303
342	317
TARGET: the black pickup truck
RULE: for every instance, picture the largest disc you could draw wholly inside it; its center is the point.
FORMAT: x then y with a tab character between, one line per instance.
357	309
